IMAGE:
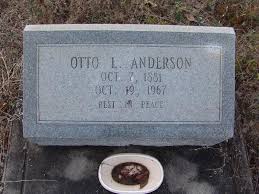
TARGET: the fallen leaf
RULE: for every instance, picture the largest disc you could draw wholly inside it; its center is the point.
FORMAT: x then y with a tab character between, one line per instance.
190	17
150	3
2	105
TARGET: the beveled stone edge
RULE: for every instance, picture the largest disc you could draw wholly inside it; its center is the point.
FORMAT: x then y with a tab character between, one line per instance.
130	27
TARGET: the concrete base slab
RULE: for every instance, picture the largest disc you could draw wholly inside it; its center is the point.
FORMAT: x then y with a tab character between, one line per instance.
33	169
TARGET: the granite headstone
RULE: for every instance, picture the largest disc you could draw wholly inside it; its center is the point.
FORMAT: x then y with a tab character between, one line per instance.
128	84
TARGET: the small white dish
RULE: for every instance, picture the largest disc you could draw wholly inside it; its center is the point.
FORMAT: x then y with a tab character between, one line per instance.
156	173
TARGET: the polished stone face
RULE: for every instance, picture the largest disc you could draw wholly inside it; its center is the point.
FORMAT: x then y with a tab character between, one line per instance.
128	84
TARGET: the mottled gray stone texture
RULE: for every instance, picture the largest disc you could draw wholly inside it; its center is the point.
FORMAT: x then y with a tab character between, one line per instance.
128	84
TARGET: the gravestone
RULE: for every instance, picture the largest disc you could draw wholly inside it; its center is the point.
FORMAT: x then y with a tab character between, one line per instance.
128	84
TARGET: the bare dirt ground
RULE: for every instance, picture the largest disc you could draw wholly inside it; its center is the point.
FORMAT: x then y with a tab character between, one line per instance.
243	15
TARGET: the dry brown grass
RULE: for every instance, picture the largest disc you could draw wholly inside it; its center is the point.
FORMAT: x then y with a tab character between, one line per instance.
241	14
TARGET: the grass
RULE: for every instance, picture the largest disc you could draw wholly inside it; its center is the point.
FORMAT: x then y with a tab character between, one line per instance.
240	14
